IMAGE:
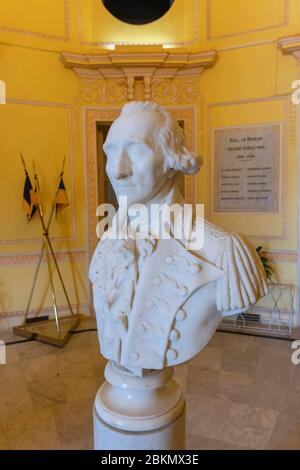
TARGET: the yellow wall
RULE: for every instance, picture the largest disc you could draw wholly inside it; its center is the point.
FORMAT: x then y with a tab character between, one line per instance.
250	84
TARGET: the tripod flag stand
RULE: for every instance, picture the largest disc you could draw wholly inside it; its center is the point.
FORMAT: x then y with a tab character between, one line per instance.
58	330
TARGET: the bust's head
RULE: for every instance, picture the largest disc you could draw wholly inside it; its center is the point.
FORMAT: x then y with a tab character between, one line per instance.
145	147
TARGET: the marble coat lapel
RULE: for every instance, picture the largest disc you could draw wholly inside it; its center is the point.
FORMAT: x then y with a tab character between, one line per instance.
170	276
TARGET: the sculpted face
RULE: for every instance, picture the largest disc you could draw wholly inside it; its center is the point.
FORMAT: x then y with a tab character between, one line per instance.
136	165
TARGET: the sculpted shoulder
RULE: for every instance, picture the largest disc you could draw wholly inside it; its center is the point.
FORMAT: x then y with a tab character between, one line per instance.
244	281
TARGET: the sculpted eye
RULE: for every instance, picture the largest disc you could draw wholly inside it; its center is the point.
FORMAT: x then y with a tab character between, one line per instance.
137	149
133	146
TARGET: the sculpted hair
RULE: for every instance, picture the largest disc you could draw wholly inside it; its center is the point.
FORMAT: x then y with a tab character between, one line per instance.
171	137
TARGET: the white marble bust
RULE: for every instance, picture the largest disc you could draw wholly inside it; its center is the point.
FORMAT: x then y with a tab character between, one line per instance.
157	302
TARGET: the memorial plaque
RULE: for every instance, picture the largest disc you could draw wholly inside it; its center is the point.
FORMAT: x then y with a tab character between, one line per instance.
246	168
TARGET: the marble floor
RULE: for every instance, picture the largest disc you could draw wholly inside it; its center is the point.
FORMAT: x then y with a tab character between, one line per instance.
242	392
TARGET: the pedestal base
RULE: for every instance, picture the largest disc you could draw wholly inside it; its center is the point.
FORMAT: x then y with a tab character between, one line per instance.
171	437
139	413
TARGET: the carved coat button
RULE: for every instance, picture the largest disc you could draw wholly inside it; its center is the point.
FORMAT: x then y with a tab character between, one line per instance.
174	335
180	315
183	291
172	354
195	268
156	281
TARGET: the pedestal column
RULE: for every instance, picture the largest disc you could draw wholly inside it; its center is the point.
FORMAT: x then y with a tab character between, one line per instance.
132	413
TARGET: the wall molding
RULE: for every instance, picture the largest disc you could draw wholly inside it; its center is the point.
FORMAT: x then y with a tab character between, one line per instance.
210	37
291	45
65	38
32	258
73	236
191	42
287	256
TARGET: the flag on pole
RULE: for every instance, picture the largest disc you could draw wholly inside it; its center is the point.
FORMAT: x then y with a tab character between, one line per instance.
27	206
62	200
35	200
35	194
30	197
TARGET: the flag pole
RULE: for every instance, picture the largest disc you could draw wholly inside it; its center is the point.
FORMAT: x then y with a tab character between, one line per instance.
32	203
26	173
40	211
55	195
46	232
48	239
35	279
24	165
40	256
58	272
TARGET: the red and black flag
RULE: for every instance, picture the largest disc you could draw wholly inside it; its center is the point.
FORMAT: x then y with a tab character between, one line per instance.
62	200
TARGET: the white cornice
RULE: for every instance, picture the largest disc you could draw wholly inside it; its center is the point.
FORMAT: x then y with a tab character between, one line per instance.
136	65
290	45
112	64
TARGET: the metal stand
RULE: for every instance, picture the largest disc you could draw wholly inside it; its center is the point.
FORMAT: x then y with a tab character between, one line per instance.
275	318
44	330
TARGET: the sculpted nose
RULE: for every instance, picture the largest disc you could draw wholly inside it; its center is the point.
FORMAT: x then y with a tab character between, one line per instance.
122	167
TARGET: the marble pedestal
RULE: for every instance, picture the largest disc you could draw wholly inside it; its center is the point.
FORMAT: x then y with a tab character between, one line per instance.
132	413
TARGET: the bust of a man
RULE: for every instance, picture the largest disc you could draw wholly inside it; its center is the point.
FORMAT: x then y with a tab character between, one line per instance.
157	301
